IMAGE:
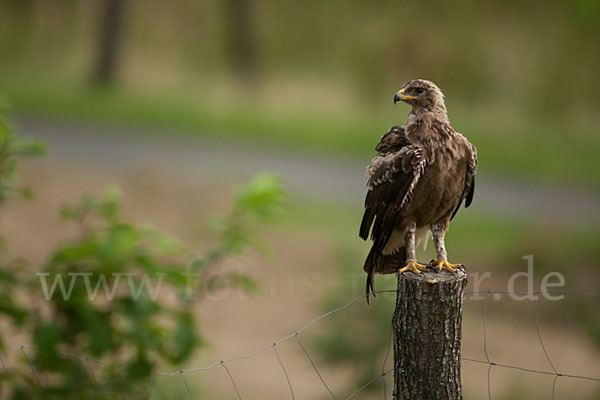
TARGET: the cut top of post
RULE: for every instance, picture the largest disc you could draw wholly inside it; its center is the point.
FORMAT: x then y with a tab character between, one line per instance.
434	277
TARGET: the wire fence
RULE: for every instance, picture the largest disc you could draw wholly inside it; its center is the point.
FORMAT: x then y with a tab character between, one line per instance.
385	370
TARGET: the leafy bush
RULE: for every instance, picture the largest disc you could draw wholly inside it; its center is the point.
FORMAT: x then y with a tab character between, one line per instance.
113	302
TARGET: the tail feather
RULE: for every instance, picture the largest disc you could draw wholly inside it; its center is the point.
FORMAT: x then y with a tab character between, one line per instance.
377	263
370	285
367	221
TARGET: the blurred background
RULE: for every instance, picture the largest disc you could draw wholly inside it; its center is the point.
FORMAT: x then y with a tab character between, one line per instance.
180	102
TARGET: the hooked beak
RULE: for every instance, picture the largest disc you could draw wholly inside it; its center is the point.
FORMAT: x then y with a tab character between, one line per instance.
401	96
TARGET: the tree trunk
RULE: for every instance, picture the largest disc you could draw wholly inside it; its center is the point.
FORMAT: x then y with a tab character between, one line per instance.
427	334
109	41
241	36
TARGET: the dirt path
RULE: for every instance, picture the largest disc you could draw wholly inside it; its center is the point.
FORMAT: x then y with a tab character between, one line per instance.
313	177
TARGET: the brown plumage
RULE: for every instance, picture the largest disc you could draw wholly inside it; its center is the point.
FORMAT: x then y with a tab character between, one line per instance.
422	173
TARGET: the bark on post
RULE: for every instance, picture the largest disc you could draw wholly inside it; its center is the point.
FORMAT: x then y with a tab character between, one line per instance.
427	335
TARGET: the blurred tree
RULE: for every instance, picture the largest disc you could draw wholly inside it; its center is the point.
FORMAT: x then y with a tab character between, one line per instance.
241	39
110	20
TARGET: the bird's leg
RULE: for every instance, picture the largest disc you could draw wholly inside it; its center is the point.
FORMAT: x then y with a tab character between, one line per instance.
438	231
411	256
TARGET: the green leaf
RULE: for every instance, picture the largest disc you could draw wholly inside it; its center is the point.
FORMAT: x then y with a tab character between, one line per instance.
139	368
244	282
46	338
100	331
262	196
109	207
184	337
76	252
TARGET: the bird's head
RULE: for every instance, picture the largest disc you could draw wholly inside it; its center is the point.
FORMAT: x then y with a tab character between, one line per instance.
421	93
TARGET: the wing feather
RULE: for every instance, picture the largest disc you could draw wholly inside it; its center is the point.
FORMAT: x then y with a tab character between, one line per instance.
392	176
469	190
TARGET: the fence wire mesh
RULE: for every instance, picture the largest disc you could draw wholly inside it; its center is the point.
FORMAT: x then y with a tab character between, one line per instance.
385	370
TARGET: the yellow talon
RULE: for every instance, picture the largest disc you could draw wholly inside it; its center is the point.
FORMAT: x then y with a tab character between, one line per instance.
439	264
414	267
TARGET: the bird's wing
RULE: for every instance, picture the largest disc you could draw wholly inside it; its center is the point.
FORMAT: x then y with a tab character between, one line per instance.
392	177
393	140
469	190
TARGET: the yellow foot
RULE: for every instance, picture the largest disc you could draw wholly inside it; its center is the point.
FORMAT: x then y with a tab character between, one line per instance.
444	264
413	266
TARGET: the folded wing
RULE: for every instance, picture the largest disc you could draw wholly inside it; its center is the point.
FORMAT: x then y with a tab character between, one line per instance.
469	190
392	176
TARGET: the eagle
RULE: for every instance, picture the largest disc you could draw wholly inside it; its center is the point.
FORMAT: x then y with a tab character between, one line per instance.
423	171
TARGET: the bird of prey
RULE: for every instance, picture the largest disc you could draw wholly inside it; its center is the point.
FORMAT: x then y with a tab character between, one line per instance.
422	173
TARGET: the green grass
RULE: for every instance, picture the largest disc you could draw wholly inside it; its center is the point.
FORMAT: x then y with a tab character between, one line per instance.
509	144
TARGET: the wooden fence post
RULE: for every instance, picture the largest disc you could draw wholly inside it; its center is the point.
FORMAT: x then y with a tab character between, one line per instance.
427	335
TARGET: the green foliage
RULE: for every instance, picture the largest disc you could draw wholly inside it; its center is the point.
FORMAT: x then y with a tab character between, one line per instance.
12	147
261	198
114	301
260	201
116	291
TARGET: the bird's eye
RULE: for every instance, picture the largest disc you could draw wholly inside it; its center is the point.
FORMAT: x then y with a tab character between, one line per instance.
419	90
